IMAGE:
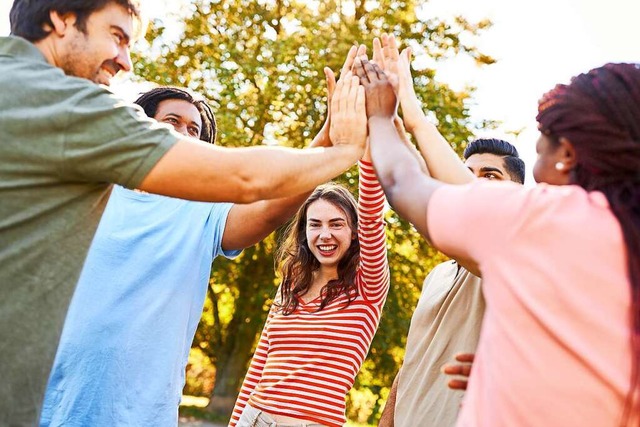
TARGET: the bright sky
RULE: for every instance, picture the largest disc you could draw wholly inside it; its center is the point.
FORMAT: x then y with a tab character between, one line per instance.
537	44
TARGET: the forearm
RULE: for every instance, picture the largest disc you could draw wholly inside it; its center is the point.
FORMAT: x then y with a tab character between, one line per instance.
244	175
443	163
249	224
387	417
371	232
407	186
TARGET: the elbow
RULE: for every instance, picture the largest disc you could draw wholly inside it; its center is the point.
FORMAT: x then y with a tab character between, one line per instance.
250	189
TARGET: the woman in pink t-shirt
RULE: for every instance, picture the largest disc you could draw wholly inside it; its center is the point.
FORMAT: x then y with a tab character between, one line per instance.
560	263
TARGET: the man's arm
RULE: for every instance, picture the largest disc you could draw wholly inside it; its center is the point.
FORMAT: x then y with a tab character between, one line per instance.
198	171
389	411
443	163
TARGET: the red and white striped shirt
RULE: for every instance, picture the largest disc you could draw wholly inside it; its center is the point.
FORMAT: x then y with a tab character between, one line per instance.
306	362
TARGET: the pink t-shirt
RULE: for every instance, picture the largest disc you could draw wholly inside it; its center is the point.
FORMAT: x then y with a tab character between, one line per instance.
555	343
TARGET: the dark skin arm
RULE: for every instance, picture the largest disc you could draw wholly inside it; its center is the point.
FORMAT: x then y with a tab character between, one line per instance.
461	369
386	419
408	188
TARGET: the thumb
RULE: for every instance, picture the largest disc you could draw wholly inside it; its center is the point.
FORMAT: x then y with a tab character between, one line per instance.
331	83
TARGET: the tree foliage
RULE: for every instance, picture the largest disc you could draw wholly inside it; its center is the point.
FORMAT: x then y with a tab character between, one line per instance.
260	64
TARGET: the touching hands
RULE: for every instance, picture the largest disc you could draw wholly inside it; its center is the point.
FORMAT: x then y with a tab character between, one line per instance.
381	100
349	119
397	67
323	138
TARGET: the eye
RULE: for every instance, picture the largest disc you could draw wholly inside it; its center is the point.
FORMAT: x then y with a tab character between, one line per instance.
337	226
118	38
193	131
171	120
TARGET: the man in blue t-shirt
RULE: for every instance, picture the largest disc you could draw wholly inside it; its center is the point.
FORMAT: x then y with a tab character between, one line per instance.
127	335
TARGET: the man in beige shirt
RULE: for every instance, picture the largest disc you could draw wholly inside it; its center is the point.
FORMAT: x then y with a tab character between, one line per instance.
448	316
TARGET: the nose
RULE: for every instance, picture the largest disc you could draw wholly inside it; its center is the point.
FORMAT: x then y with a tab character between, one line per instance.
325	233
181	128
124	58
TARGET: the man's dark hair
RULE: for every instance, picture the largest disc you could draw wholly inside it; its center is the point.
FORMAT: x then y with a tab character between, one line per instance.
512	161
29	17
149	102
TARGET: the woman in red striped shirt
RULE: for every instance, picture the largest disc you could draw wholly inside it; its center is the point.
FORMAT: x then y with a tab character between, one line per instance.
319	329
335	280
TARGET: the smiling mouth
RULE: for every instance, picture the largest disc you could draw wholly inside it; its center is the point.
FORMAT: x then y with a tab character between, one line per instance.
327	248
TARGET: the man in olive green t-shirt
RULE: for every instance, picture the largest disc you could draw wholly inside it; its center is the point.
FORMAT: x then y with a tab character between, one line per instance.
64	139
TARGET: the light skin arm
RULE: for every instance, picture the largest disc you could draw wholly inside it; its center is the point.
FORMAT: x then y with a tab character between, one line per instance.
443	163
197	171
408	188
249	224
386	419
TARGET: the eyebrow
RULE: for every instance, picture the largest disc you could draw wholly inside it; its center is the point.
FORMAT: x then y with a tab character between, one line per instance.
331	220
125	35
488	169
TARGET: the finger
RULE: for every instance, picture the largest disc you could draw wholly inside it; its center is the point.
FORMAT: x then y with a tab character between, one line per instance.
353	92
337	95
361	107
378	55
360	71
369	70
465	357
348	62
464	370
457	384
362	51
344	98
331	83
375	69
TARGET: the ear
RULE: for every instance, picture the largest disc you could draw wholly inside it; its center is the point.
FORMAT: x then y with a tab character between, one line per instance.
61	22
567	154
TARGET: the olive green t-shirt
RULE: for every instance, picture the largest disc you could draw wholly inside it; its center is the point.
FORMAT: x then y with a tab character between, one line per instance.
63	141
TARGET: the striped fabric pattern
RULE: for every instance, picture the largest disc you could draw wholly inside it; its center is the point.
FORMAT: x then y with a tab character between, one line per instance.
306	362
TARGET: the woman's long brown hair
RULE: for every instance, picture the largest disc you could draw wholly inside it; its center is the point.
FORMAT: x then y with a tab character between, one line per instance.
296	264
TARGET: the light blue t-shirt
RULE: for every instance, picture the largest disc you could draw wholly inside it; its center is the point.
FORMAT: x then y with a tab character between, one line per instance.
127	335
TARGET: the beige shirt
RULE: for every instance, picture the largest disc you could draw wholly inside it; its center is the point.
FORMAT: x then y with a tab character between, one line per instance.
446	321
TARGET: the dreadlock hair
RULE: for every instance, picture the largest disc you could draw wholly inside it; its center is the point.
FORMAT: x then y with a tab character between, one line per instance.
297	263
150	100
599	113
512	161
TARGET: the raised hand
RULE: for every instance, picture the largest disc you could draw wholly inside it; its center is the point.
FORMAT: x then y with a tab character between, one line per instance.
461	369
397	67
323	138
349	119
381	100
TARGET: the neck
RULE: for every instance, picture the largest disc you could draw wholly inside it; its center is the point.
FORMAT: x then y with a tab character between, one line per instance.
48	50
322	276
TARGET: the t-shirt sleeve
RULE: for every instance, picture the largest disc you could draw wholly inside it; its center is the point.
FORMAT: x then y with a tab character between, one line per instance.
219	216
107	139
475	220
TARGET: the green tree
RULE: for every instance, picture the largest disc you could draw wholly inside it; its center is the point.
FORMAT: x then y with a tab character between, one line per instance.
260	64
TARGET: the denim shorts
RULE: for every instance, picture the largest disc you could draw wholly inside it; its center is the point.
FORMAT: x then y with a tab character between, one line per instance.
252	417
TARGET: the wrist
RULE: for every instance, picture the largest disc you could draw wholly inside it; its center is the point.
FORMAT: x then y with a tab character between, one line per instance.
414	126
